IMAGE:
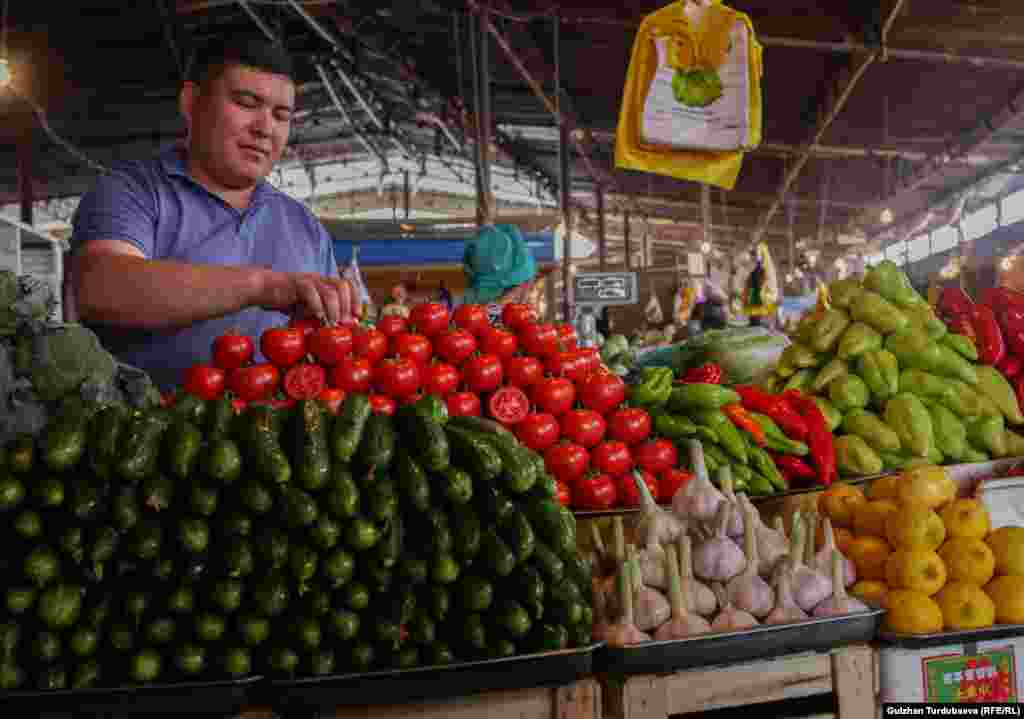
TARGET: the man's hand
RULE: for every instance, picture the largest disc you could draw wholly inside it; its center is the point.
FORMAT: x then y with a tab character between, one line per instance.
312	295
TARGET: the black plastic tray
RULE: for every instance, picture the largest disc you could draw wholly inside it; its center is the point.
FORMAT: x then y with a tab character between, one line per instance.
754	498
920	641
215	698
306	697
763	642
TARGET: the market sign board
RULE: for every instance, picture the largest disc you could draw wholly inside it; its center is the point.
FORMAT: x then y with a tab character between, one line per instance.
605	288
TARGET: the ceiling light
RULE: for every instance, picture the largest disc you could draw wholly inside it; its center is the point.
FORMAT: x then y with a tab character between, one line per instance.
705	247
886	216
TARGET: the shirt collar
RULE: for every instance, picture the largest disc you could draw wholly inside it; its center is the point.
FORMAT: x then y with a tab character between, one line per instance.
174	164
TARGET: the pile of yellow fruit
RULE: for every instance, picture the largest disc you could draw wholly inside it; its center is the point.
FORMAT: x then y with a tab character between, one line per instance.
928	557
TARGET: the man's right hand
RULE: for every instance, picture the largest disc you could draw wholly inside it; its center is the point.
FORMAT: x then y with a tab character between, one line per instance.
310	295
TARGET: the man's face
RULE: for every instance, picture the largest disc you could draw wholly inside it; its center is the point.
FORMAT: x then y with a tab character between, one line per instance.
239	121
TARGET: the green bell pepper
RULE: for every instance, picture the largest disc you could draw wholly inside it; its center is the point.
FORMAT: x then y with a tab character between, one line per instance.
825	333
912	422
655	387
881	372
963	345
858	339
832	371
701	396
855	457
873	309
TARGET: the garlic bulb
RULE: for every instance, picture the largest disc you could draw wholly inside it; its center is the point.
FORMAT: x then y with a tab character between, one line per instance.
786	609
771	546
823	559
747	591
810	587
651	607
683	623
698	596
730	619
839	603
657	526
698	499
736	518
718	559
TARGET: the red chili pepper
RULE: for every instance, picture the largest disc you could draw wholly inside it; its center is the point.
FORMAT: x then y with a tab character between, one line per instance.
793	467
776	407
1010	366
708	373
962	325
742	419
991	347
954	302
819	437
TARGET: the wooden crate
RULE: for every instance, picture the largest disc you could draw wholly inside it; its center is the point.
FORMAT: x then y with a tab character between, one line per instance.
849	672
579	700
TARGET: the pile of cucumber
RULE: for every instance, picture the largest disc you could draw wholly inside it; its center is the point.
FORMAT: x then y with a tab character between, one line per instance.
195	543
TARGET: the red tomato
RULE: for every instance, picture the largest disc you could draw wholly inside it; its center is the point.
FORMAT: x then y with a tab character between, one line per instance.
414	347
630	425
397	378
509	405
483	373
538	431
603	392
305	381
539	340
429	319
500	343
612	457
455	346
239	405
596	492
382	405
168	398
656	456
440	379
463	404
566	462
472	318
283	346
574	365
205	381
254	382
523	371
370	344
391	325
670	481
554	395
629	492
330	345
308	325
352	374
563	493
583	426
232	350
566	337
516	314
331	398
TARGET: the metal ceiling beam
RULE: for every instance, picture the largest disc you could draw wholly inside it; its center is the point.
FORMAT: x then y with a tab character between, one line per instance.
829	111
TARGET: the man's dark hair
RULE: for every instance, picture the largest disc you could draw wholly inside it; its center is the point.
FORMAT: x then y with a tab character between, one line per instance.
249	49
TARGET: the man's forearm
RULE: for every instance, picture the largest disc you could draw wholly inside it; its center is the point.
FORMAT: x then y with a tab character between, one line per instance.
155	294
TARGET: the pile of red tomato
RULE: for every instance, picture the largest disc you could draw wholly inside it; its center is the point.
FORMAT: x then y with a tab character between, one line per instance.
530	376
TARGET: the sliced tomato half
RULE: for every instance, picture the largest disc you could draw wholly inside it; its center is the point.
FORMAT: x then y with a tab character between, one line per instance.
305	381
509	405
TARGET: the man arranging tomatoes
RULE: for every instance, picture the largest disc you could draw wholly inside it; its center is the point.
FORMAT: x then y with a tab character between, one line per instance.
171	253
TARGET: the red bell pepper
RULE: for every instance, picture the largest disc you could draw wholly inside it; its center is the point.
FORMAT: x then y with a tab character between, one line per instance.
954	302
776	407
819	437
1010	366
1012	322
708	373
1001	297
988	335
1018	386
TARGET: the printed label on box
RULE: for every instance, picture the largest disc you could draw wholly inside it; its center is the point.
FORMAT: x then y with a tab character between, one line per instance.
989	677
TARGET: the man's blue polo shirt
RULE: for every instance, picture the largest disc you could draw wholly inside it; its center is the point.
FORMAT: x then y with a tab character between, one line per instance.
156	207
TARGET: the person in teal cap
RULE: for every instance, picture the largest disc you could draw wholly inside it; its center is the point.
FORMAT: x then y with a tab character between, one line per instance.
499	267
